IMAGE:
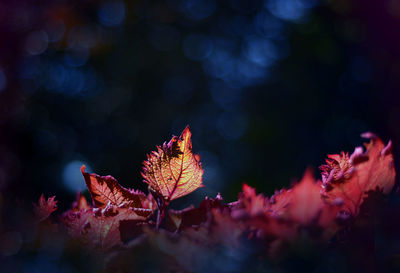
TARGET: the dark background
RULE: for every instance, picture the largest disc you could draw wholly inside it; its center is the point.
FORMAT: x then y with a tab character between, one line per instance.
268	88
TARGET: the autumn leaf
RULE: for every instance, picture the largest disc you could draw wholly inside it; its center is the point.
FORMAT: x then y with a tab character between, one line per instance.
173	170
100	227
279	201
307	207
306	200
282	215
178	220
254	210
199	245
81	203
188	250
44	207
106	189
252	203
348	179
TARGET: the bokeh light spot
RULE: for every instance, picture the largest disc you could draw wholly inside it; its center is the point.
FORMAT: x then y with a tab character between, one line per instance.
72	177
225	96
36	42
76	57
198	9
197	47
291	10
219	64
268	26
55	30
261	52
232	125
111	14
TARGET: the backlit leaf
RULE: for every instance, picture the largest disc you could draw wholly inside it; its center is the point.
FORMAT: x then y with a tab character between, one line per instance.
173	170
307	205
306	200
105	189
279	202
348	179
252	203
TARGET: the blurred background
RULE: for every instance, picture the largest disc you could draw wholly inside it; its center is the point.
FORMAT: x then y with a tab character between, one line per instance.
268	87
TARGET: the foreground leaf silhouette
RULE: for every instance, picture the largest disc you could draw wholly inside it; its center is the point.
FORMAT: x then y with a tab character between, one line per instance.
173	170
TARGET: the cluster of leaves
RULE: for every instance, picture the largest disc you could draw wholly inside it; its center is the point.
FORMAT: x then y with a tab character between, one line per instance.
121	218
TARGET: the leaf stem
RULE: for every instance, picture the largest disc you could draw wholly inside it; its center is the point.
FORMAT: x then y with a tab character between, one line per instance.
161	214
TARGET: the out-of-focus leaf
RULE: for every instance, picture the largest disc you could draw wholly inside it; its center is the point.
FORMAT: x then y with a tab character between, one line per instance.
254	204
44	207
279	202
348	179
178	220
80	203
306	201
99	228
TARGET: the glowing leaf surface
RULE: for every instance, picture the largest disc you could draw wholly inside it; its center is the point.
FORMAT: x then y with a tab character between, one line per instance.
173	170
105	189
348	179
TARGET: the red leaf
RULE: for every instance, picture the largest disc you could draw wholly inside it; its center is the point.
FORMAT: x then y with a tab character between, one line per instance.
253	204
256	213
80	203
100	227
348	179
173	170
224	229
105	189
287	210
279	202
307	206
179	220
44	207
306	201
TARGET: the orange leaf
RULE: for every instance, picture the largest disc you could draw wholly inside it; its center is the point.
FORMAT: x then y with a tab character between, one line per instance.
348	179
173	170
80	203
307	205
279	202
306	200
253	204
105	189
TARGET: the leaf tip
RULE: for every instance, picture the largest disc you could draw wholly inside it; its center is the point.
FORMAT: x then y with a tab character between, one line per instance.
186	134
368	135
388	149
308	175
